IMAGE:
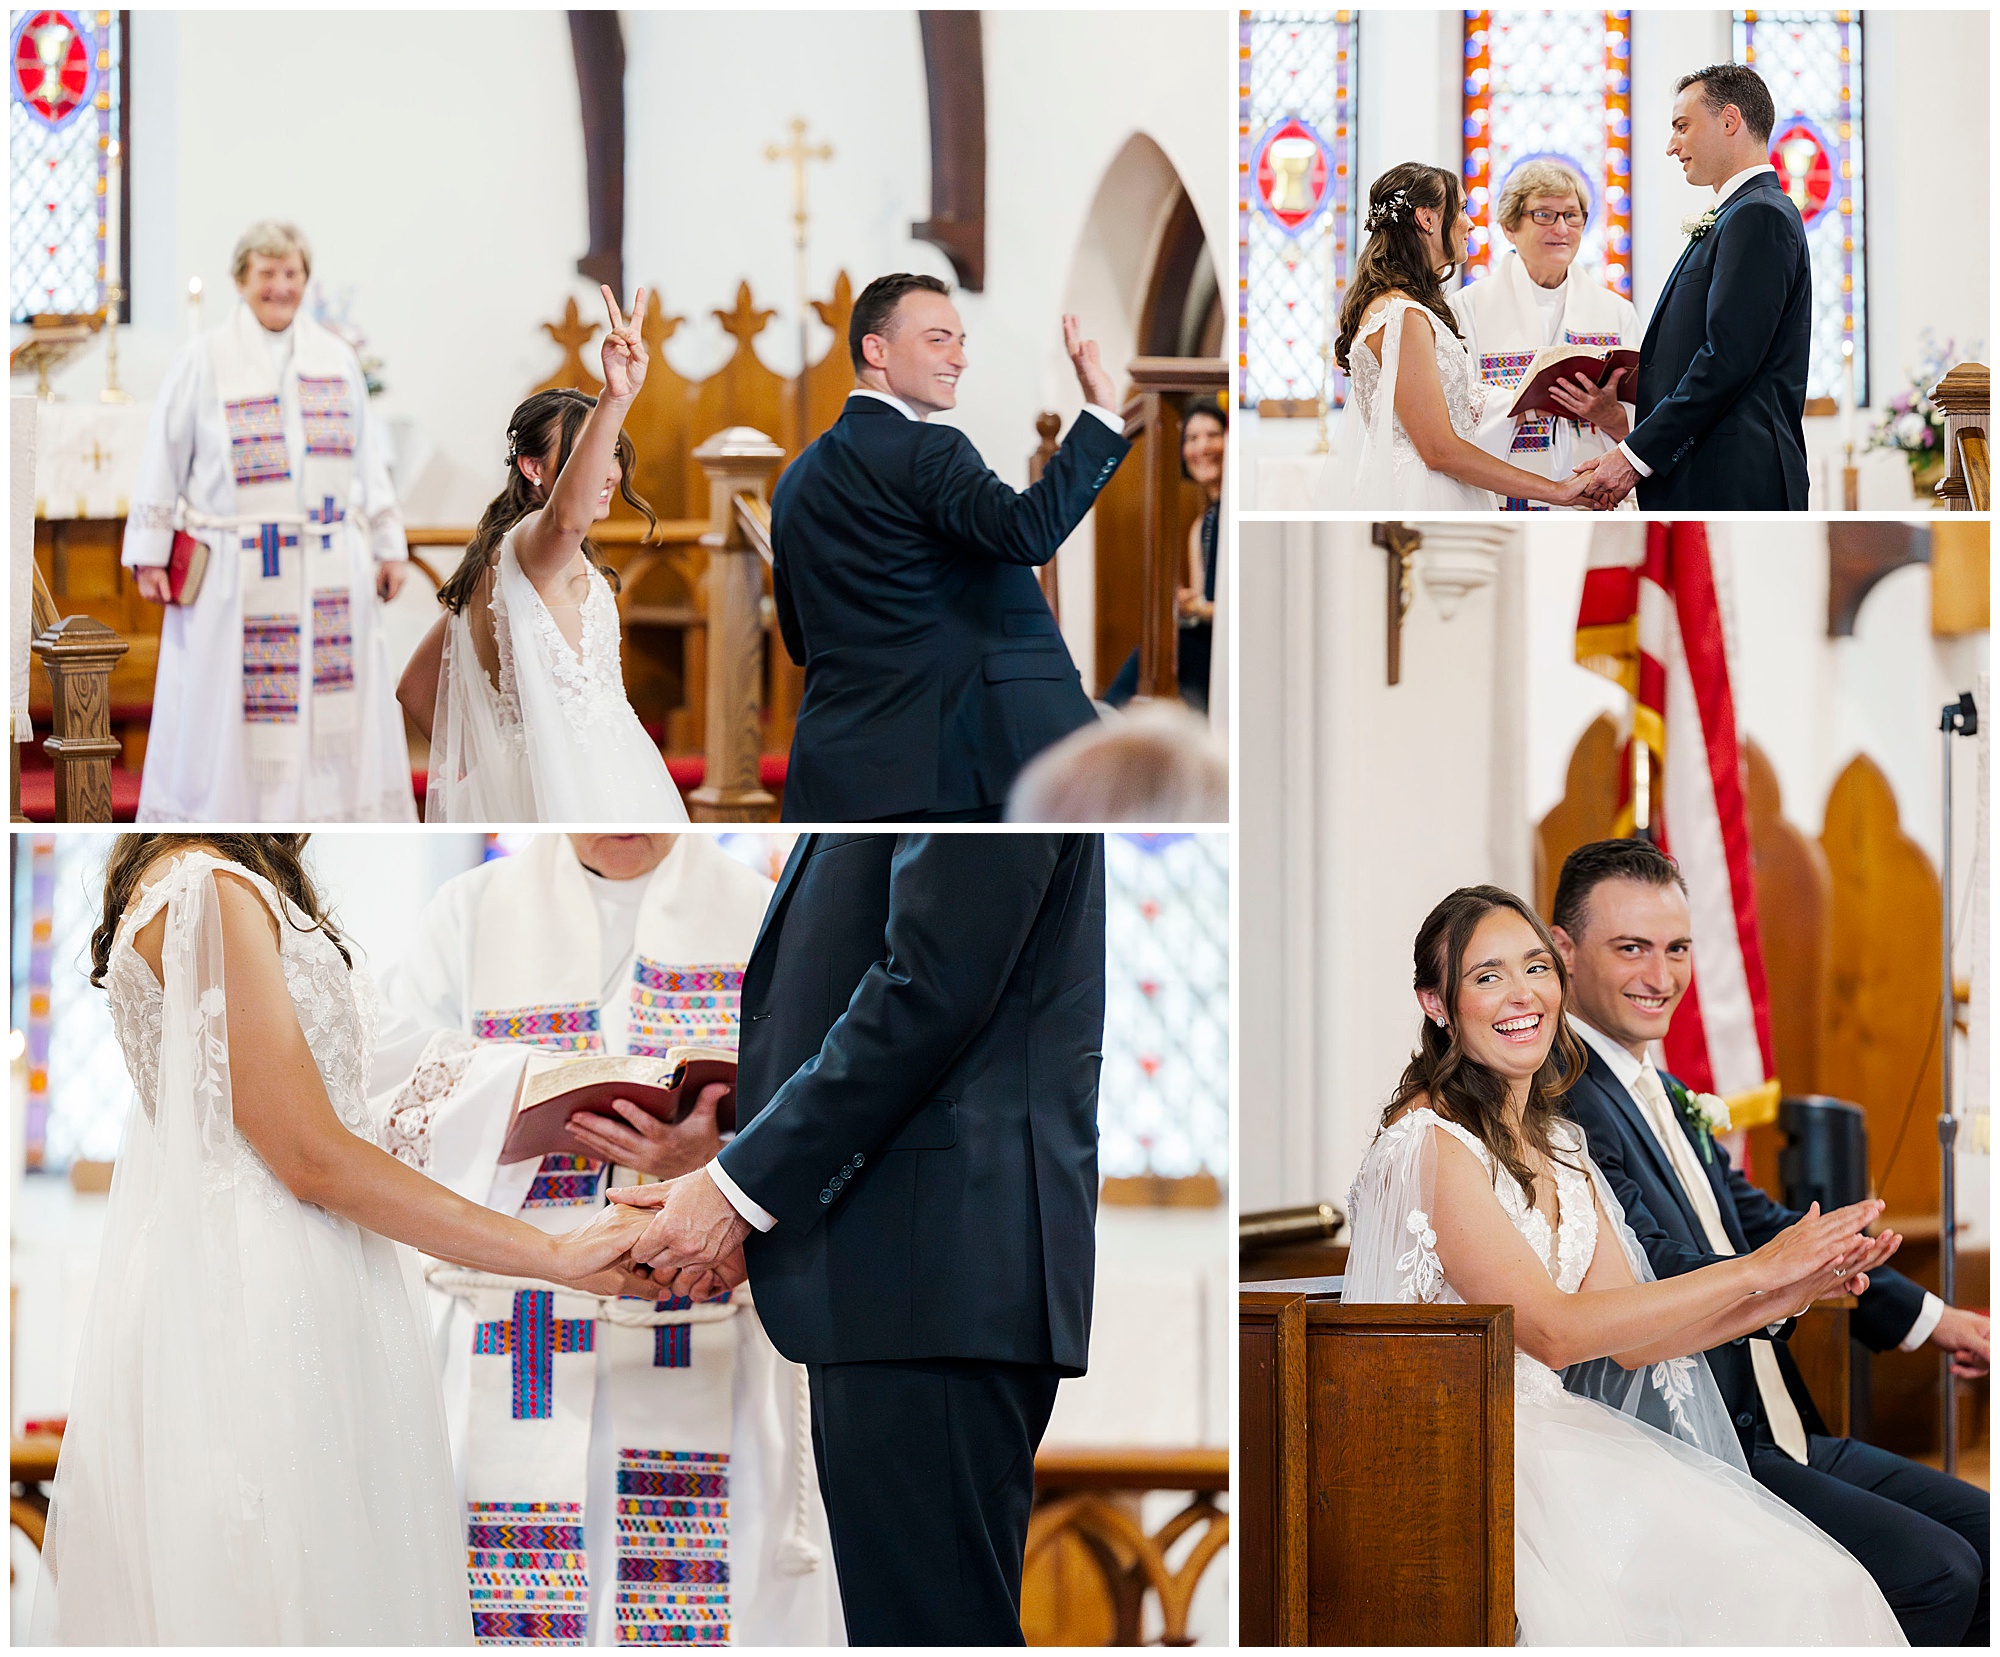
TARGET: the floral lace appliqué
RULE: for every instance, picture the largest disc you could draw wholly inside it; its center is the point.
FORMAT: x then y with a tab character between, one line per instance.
1422	1275
589	683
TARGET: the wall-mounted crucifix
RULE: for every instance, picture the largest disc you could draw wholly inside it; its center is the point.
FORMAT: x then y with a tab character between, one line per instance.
798	152
1399	543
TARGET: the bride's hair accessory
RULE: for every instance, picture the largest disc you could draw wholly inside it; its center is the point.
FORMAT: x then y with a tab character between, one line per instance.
1389	210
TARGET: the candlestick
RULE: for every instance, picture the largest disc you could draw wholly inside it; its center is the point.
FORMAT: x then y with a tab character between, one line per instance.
194	307
113	174
1847	396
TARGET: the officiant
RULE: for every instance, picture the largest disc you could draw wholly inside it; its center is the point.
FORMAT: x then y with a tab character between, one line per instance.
630	1471
1534	297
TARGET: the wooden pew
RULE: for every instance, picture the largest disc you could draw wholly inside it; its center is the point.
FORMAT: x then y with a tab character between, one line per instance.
1376	1470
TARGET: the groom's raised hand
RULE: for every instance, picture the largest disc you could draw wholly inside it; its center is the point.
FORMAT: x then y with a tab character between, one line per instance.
694	1243
1091	374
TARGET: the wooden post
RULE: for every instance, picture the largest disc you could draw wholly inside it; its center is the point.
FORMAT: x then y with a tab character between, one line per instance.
738	461
79	653
1964	397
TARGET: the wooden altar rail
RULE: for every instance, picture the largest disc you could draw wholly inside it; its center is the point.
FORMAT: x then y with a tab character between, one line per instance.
1376	1470
31	1469
78	654
1090	1563
1964	398
1153	425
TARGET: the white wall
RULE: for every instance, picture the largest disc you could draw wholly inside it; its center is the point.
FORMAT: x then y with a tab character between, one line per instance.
1928	226
1363	803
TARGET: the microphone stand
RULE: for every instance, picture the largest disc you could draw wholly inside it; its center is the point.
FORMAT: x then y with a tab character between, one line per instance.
1960	718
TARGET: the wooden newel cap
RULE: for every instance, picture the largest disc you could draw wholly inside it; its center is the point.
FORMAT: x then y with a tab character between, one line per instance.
1966	389
738	448
80	639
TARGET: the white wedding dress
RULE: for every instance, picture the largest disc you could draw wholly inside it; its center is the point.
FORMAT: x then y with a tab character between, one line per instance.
1624	1533
548	736
1373	464
256	1449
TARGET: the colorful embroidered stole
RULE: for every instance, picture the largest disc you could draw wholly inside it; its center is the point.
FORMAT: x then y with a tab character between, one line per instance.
284	553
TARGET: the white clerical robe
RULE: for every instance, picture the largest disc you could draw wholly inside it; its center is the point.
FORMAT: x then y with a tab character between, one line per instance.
531	954
196	765
1506	319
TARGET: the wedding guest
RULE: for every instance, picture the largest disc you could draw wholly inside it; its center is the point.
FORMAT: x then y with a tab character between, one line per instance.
1406	441
1621	924
273	699
1157	764
1534	297
1204	442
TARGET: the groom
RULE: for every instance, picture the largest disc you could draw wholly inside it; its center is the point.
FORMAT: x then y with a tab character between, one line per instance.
914	1188
1722	369
1621	922
904	575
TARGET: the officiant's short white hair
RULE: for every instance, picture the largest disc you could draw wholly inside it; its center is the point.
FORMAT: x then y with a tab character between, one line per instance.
1538	178
269	239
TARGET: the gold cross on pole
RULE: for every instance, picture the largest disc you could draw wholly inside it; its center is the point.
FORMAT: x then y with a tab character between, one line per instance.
798	152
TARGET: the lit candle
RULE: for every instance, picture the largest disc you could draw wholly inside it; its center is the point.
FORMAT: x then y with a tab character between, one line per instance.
194	307
113	173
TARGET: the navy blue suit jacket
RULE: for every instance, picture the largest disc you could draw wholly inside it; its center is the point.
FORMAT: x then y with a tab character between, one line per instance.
1671	1233
1722	369
923	1021
904	573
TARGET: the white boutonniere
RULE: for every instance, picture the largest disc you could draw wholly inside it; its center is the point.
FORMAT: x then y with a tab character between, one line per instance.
1695	229
1706	1113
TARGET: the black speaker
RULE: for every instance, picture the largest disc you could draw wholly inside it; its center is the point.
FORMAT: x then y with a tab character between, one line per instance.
1825	1159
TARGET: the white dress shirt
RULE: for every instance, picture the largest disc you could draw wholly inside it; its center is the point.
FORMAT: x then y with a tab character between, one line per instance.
908	413
1723	191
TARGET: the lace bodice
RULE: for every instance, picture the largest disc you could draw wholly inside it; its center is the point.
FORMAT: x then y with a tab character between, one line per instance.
1564	1250
1464	396
336	1006
589	683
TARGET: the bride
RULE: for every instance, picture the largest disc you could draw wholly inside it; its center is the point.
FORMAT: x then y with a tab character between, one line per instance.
1406	440
518	686
256	1448
1636	1521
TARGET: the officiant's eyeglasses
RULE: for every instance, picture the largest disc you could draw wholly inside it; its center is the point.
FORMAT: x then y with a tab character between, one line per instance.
1546	215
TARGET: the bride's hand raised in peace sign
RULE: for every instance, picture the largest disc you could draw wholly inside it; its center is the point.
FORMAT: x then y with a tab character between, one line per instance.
624	347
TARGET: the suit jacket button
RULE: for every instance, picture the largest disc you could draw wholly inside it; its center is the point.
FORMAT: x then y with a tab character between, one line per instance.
1746	1419
857	1159
826	1196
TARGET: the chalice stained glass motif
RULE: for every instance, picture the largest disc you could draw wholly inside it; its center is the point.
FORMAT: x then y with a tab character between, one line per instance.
1163	1098
1811	61
67	86
1550	86
1296	206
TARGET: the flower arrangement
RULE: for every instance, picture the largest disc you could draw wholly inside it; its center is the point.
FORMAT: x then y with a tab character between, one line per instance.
1912	423
336	320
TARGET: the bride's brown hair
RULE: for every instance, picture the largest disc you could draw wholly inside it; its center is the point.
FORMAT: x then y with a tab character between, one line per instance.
549	419
1453	1083
274	856
1394	258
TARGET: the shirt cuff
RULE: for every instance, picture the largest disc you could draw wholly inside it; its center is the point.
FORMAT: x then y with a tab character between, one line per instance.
1115	421
762	1219
1638	465
1928	1318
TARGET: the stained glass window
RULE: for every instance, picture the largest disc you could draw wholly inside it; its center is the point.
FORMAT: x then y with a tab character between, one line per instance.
1163	1102
66	108
1551	86
1296	202
1811	61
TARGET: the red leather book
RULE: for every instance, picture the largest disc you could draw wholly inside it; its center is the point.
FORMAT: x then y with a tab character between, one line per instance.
187	563
665	1088
1566	362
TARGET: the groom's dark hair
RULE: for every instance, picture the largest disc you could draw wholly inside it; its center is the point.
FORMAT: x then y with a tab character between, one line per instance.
878	303
1723	84
1590	866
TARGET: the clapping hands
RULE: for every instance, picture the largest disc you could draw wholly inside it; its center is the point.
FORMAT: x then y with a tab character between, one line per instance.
1822	1254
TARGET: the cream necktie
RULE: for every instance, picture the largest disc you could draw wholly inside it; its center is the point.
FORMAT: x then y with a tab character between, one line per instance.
1787	1429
